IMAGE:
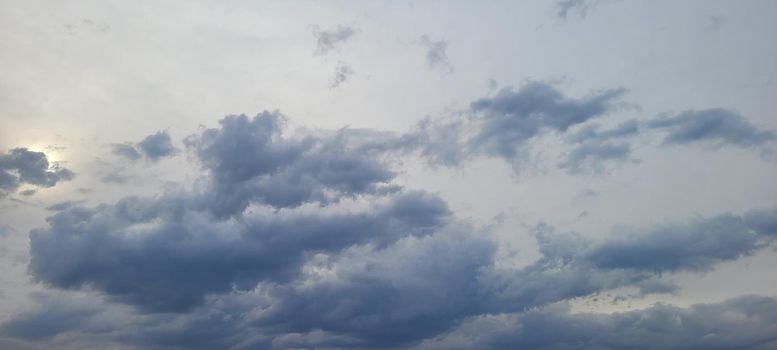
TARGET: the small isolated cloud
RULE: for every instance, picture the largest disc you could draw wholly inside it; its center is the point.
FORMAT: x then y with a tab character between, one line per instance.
21	166
153	147
342	72
581	7
435	53
328	40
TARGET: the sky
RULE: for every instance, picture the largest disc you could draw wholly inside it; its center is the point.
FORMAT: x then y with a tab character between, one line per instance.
573	174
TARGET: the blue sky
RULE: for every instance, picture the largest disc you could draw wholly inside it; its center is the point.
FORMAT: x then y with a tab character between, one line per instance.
574	174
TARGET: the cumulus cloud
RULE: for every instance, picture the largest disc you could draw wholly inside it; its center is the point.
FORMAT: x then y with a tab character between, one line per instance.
20	166
153	147
336	278
303	240
251	161
328	40
435	53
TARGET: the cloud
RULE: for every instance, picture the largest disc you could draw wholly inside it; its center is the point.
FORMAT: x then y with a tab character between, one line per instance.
156	146
153	147
186	246
746	322
592	156
303	240
507	121
21	166
715	126
564	7
763	222
435	53
342	72
250	160
126	150
508	124
328	40
695	246
399	272
182	254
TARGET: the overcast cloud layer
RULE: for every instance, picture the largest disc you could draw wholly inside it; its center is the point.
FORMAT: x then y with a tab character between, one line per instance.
551	175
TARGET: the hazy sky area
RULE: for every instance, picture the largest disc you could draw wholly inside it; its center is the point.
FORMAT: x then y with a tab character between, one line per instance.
574	174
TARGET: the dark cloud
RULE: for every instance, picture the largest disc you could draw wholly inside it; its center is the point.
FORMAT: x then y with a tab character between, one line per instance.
251	161
508	120
153	147
697	245
763	222
435	53
327	40
302	240
52	316
715	126
21	166
747	322
181	254
156	146
394	275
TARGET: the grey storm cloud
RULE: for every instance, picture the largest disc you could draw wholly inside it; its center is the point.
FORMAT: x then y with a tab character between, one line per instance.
352	295
436	55
328	40
153	147
251	161
746	322
21	166
183	254
695	246
203	251
303	240
715	126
